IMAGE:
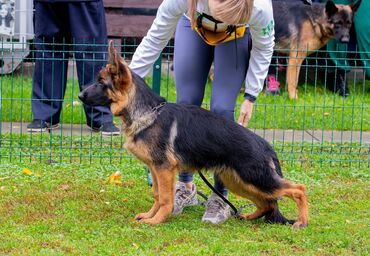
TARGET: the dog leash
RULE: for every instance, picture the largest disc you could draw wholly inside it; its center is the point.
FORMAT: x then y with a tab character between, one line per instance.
235	212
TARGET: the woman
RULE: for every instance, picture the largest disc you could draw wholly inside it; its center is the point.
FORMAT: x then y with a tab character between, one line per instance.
207	31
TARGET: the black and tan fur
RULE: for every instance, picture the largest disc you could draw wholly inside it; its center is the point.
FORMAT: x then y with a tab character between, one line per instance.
302	29
170	137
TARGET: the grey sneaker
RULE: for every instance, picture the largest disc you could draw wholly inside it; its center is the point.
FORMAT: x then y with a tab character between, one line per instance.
217	211
184	197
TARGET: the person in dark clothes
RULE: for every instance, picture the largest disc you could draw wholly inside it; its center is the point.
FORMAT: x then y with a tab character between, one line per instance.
62	26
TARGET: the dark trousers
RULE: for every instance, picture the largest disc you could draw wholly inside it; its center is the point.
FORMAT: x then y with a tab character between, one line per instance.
193	56
61	28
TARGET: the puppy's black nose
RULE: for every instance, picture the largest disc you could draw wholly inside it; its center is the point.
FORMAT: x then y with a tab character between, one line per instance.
82	96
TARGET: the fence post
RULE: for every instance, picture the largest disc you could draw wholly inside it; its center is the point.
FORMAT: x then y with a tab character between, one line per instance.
156	87
157	68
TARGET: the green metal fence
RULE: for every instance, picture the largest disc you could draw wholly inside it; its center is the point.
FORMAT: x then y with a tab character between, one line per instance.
321	127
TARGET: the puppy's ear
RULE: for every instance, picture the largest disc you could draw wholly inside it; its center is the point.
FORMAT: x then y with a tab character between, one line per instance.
330	8
355	6
115	60
120	72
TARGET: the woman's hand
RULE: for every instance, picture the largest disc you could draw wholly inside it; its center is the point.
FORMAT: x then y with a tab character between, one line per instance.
246	109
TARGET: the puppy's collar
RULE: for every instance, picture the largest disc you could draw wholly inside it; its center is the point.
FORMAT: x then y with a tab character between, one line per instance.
158	107
134	126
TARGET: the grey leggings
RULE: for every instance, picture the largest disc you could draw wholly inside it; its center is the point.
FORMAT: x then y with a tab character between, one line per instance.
192	61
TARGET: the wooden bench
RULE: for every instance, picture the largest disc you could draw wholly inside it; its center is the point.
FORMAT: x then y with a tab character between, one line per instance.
130	18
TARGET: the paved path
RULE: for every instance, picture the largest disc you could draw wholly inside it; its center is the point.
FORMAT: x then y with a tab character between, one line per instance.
315	136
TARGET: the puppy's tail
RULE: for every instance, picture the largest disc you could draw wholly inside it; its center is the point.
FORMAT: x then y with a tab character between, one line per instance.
275	216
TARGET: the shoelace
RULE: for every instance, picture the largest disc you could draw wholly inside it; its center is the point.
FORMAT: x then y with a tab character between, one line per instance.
183	195
214	205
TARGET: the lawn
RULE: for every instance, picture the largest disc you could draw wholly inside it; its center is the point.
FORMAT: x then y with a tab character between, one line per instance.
316	108
55	198
71	209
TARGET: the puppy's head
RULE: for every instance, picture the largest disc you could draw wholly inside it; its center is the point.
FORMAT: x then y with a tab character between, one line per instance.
340	19
112	85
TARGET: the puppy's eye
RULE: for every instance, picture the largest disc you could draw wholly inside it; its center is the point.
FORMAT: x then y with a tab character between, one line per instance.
104	86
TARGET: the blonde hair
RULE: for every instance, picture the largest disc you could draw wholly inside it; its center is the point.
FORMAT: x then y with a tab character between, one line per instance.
231	12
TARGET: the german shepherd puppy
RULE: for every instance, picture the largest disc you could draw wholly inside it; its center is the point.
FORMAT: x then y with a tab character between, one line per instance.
171	137
302	29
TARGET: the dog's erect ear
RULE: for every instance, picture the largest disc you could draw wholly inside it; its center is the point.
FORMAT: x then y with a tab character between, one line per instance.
115	60
118	69
330	8
355	6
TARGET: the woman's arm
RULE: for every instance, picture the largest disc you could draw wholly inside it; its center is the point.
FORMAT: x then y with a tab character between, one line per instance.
261	26
161	31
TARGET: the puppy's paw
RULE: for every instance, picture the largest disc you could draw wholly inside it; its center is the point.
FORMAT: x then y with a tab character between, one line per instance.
142	216
246	216
150	221
299	224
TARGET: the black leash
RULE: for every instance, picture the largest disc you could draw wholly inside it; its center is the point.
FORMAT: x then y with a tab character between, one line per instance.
236	212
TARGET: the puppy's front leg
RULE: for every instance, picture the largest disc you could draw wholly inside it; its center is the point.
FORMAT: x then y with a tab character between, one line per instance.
166	189
155	207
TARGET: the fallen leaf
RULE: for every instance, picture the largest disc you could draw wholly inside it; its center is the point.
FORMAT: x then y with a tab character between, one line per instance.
27	171
2	188
115	178
37	174
107	203
125	200
326	113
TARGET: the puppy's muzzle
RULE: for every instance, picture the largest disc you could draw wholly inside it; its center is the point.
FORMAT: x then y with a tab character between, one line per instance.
82	95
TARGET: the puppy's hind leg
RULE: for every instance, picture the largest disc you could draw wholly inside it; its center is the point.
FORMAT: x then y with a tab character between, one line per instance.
262	209
274	216
297	192
269	209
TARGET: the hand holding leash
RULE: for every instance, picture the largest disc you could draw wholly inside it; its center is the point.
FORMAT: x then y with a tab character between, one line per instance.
246	109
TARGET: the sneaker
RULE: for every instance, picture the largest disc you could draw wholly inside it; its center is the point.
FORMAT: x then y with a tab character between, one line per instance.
217	211
273	86
184	197
107	129
39	125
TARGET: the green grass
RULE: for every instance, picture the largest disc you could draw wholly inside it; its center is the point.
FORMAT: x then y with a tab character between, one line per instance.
71	210
316	109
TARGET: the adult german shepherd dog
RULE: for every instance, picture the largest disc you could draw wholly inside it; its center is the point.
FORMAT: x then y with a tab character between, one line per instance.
302	29
171	137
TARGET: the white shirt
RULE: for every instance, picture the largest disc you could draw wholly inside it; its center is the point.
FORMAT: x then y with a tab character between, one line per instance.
261	26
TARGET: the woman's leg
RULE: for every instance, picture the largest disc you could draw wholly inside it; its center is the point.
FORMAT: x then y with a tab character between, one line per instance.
192	61
231	64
